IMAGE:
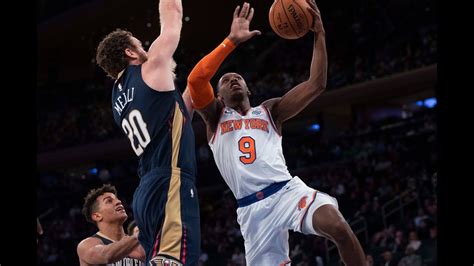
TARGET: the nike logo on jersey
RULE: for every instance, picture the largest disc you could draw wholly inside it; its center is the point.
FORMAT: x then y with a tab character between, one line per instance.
252	123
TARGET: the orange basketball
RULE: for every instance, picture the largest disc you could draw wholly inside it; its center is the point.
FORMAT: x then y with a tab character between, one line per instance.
290	19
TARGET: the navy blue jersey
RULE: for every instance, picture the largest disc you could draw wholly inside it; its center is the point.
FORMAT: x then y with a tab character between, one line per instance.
123	262
156	123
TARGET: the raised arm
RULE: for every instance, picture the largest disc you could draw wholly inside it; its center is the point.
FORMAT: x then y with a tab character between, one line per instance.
93	251
304	93
199	86
158	70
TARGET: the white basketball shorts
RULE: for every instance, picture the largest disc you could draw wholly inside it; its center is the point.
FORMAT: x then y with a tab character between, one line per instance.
265	223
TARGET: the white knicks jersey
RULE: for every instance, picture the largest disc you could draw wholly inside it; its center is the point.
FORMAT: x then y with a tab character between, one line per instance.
248	152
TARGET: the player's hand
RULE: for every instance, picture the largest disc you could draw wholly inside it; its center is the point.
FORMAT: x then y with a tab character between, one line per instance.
317	26
239	30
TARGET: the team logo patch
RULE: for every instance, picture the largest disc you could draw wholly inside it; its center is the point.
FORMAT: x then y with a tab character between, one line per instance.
259	195
302	203
256	112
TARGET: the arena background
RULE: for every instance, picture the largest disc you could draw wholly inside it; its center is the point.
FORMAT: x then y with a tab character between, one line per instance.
370	139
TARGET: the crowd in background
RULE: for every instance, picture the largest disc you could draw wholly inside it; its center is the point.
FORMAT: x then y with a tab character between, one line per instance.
364	42
364	168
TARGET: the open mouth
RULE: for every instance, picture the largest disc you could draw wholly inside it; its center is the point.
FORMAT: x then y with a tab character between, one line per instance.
235	87
120	208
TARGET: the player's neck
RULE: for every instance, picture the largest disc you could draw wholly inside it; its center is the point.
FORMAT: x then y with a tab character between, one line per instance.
113	232
242	107
135	62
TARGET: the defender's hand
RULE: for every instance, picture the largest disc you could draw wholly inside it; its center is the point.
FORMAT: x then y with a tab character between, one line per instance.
239	30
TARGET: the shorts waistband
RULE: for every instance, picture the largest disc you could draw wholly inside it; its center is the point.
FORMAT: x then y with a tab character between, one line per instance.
260	195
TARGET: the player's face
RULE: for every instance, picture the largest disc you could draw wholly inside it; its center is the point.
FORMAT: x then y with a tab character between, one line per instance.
232	87
110	208
138	48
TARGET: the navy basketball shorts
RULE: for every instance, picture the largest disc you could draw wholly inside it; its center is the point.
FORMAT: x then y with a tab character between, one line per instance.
166	210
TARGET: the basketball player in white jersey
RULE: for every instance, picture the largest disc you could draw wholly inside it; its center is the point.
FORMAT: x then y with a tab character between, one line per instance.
246	143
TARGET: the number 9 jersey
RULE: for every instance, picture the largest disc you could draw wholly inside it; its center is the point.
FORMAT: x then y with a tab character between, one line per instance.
248	151
156	123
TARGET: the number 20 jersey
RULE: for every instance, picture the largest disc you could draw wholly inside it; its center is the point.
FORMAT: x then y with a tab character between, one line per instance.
248	151
156	123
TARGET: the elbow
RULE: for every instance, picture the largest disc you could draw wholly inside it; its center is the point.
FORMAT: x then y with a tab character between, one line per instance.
194	81
318	85
321	88
199	75
171	31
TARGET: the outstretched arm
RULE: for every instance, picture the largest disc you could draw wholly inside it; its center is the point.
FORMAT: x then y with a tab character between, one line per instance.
304	93
158	70
93	251
199	85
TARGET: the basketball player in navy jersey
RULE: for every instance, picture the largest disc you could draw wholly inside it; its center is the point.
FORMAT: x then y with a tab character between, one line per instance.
247	146
111	245
157	120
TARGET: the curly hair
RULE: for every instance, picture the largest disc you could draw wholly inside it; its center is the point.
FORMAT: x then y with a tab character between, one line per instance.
90	201
110	52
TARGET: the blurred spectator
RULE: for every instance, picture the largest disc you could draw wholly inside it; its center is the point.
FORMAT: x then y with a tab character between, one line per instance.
411	259
370	260
238	257
413	241
387	259
428	249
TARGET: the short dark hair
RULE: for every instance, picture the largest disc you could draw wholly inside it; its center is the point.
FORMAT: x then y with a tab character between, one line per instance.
110	52
90	201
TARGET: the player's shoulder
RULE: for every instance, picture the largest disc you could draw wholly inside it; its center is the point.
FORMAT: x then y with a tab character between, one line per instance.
270	103
88	243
